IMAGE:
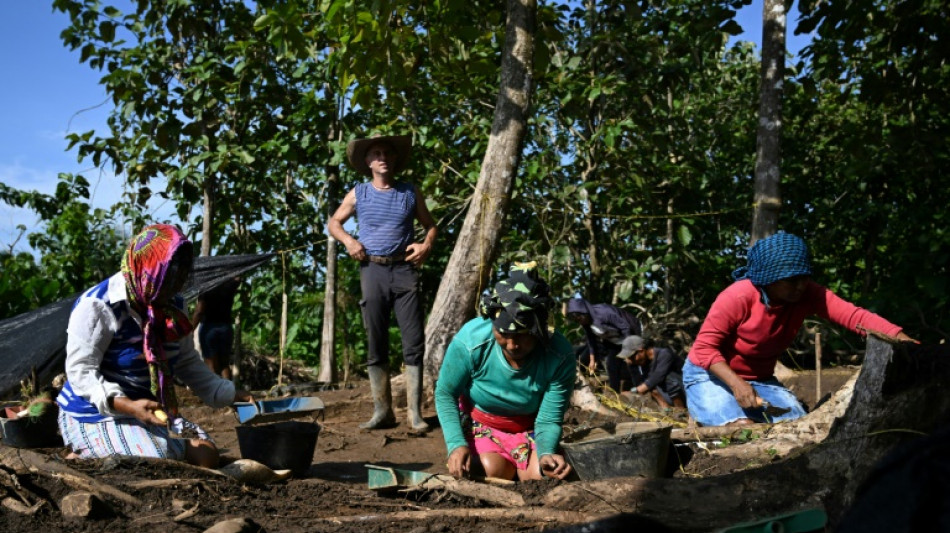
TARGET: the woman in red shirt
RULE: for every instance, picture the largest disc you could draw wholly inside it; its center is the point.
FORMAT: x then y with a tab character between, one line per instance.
729	371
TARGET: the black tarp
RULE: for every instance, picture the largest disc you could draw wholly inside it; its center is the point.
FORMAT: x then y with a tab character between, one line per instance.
37	339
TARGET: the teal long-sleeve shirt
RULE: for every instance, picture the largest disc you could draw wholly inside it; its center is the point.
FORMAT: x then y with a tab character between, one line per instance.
475	367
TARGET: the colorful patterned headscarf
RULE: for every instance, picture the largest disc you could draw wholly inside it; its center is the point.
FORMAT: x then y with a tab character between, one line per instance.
777	257
147	266
519	304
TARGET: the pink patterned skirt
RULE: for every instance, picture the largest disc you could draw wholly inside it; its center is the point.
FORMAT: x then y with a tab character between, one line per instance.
510	437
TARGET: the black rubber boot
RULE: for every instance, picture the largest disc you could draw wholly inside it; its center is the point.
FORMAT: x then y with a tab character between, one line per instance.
414	398
383	416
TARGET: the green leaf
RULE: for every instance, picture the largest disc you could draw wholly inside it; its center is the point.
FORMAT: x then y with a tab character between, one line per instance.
684	235
265	20
107	31
731	27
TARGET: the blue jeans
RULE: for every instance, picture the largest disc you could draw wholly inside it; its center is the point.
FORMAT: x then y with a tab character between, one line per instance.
711	402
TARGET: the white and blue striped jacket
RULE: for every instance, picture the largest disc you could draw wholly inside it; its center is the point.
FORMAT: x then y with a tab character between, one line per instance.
104	357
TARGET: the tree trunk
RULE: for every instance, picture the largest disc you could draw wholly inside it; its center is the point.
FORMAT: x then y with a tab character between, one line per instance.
593	284
328	337
472	260
768	199
207	221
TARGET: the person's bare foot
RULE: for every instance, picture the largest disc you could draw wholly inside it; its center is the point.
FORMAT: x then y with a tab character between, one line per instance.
740	422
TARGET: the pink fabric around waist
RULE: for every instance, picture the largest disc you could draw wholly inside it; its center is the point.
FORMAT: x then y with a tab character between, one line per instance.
508	424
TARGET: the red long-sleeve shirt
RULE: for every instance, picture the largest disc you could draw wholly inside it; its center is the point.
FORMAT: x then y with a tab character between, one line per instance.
741	331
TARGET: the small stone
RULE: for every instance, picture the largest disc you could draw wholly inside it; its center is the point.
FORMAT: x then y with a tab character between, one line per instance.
253	473
83	505
235	525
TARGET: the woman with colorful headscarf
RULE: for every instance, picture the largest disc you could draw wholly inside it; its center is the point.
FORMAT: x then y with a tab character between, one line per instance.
505	384
127	339
728	375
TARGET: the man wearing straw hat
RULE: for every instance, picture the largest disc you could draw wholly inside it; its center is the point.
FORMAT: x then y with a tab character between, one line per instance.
389	258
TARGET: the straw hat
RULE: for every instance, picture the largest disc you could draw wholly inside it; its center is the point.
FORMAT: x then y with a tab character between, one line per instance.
356	152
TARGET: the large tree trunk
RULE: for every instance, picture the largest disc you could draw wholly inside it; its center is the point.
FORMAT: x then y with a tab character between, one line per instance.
475	250
768	199
898	395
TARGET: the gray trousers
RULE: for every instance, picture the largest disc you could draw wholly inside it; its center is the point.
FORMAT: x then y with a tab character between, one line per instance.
388	289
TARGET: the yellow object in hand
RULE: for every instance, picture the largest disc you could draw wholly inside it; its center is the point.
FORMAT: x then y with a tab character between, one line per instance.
159	414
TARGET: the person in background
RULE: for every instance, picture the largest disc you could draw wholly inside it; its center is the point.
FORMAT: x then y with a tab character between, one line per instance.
728	374
127	339
606	326
389	261
505	384
215	325
660	369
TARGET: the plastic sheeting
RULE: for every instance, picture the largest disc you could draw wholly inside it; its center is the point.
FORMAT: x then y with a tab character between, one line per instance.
37	339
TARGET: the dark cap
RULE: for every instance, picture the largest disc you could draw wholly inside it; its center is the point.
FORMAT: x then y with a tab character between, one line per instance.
631	345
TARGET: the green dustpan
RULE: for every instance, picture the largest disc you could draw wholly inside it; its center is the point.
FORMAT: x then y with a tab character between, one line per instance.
803	521
384	477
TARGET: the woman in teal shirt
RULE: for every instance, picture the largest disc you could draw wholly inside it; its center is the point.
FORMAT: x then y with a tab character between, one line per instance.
505	384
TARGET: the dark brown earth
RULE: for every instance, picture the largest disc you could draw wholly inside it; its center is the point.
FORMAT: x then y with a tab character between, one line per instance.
334	492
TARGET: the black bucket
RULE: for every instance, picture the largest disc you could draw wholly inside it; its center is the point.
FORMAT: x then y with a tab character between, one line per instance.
32	431
633	449
282	445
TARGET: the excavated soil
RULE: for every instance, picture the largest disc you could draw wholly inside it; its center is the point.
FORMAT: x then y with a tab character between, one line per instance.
334	495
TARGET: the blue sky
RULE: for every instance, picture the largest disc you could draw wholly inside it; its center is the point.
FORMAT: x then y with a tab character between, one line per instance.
48	94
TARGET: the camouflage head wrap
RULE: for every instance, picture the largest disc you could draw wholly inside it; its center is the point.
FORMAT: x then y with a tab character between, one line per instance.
520	303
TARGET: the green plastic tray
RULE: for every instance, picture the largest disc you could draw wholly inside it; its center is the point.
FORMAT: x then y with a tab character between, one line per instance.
803	521
384	477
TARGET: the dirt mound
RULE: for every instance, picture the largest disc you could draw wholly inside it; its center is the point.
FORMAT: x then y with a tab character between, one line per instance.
334	495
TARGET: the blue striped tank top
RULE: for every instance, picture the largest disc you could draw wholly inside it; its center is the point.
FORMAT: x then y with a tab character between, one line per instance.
385	218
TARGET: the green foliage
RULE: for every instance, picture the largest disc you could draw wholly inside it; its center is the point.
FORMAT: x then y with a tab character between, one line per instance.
739	437
636	180
615	177
867	152
22	287
78	245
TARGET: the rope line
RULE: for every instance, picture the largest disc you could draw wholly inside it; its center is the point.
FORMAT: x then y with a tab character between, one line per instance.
653	217
610	398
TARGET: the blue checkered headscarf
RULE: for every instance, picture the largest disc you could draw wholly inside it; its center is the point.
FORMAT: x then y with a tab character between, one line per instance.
777	257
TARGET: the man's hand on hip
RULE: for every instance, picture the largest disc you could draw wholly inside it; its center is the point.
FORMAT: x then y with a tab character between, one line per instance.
417	252
356	250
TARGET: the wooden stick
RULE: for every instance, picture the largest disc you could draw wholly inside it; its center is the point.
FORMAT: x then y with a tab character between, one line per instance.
10	482
162	483
542	514
19	460
817	367
716	432
492	494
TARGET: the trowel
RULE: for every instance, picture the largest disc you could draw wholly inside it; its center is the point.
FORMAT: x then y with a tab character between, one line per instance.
769	409
188	433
